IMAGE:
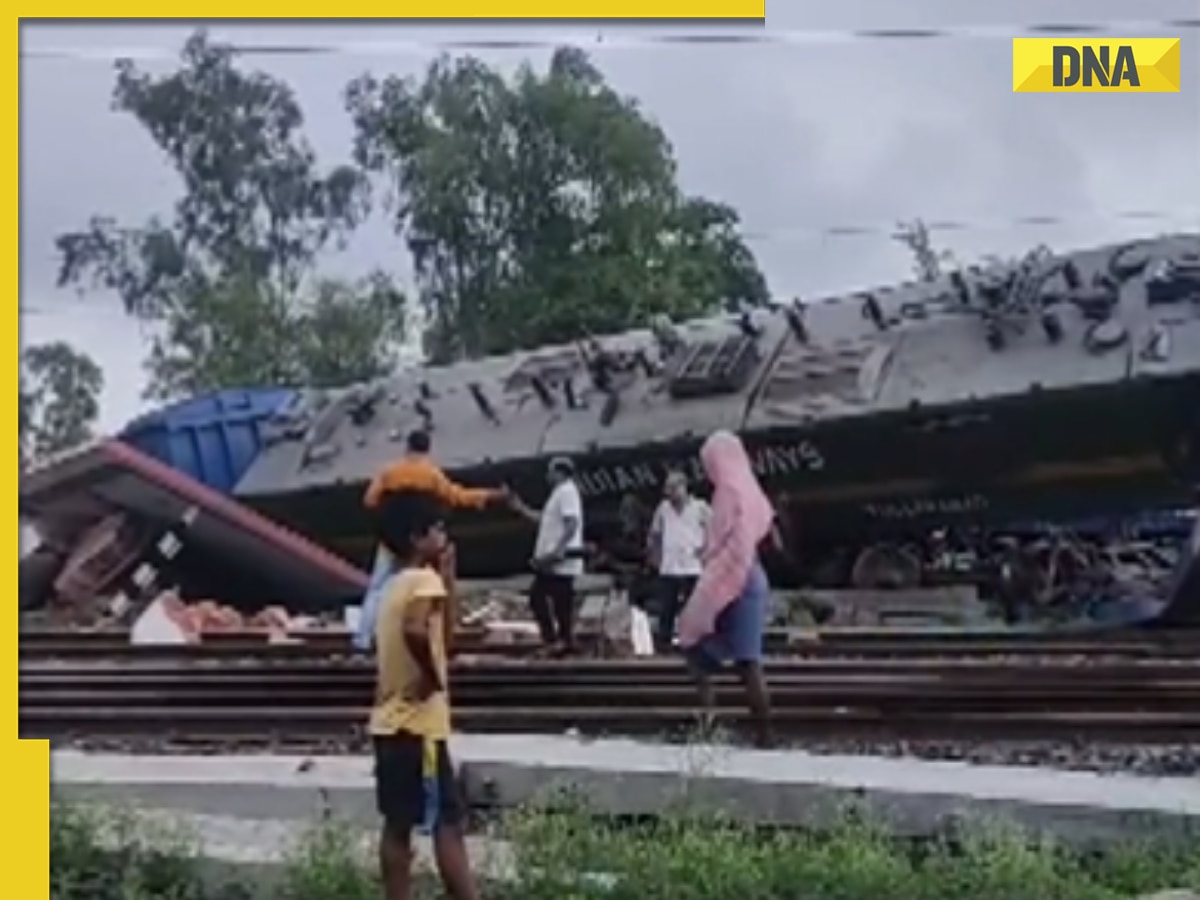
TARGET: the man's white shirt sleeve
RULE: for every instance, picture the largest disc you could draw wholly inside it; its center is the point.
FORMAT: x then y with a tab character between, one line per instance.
570	504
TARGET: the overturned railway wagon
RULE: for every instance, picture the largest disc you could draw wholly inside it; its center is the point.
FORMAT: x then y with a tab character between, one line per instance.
1055	387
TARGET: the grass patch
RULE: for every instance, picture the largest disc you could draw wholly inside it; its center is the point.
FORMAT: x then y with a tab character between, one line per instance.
563	853
98	854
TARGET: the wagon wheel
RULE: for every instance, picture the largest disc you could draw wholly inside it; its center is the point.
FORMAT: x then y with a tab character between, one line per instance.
887	566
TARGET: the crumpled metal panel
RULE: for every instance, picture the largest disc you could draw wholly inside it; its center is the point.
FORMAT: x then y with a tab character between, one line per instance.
1183	606
347	436
101	556
504	409
231	551
1167	342
647	414
933	350
810	382
983	336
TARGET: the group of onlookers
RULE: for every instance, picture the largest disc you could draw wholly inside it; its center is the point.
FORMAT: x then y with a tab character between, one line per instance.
710	587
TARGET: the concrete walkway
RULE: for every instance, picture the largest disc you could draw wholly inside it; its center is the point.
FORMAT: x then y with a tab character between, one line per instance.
784	787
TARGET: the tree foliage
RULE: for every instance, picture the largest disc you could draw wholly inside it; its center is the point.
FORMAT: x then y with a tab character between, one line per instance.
232	269
242	332
541	208
58	399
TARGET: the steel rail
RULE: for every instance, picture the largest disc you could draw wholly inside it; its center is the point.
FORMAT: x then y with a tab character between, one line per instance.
269	724
867	643
1129	700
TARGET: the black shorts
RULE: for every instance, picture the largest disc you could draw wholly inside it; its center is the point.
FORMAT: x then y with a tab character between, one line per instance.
400	789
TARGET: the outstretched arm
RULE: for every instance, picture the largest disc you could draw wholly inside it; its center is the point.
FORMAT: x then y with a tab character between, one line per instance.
457	495
424	476
523	509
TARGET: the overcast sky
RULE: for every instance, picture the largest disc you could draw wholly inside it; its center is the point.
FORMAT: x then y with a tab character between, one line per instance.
797	138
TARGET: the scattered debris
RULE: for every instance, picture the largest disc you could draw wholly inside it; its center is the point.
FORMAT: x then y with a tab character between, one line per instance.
163	622
135	529
171	620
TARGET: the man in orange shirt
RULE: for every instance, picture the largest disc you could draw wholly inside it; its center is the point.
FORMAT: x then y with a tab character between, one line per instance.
416	472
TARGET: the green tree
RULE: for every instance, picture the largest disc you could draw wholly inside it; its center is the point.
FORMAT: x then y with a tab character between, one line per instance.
229	277
58	399
242	331
541	208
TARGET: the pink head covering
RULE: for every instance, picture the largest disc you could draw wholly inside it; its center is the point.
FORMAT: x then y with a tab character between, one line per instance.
734	483
741	518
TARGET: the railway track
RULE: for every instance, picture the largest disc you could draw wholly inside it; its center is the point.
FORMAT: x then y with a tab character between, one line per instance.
842	643
1110	690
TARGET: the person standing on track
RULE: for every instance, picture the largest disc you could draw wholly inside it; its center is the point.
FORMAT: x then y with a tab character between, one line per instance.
415	786
674	545
725	617
557	557
415	471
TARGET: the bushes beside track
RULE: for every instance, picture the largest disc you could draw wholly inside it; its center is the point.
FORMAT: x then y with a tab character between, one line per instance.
98	854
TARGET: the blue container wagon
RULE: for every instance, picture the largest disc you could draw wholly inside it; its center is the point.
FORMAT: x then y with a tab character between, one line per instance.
214	437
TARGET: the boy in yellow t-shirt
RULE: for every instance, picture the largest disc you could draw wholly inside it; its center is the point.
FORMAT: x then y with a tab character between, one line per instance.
415	785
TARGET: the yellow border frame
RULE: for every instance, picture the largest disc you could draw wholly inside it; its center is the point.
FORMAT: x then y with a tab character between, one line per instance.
28	762
448	9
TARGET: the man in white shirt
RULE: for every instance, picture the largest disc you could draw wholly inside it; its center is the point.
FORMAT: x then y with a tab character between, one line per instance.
674	544
557	557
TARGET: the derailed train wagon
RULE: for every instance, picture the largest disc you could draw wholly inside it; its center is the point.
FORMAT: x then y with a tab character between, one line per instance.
1056	387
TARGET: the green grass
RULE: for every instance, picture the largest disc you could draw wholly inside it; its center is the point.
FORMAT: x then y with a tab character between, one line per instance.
565	854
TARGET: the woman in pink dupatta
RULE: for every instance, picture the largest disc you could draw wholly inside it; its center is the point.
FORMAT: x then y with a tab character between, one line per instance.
726	614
